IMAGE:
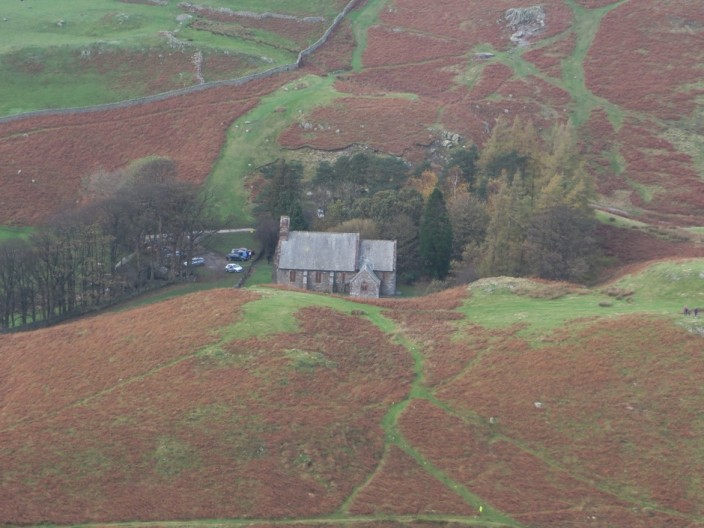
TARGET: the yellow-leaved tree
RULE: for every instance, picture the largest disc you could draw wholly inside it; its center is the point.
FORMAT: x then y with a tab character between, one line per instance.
537	193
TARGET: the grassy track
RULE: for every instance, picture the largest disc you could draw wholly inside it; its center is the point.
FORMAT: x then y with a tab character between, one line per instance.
252	142
394	437
586	25
362	21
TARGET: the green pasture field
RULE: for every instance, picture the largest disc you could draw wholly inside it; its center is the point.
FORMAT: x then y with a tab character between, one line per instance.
44	41
261	273
47	23
275	311
661	289
323	8
224	242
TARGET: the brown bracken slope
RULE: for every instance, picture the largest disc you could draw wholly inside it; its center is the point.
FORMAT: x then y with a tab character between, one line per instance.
177	412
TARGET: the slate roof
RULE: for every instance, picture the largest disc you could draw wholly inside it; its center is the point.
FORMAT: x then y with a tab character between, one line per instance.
308	250
367	272
381	254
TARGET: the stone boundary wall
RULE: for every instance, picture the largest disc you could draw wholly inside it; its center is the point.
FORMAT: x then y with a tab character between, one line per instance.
198	87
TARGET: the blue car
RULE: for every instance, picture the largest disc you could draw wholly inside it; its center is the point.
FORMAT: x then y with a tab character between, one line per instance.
239	255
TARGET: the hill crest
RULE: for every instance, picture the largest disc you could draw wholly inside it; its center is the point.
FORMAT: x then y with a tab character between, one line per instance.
276	404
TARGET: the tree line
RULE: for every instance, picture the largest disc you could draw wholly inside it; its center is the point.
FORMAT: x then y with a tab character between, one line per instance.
519	206
144	233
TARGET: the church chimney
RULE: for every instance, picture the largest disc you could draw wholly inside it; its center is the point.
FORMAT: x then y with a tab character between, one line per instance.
283	228
283	237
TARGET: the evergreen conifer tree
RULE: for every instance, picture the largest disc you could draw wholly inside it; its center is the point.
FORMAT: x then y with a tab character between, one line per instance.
435	237
283	194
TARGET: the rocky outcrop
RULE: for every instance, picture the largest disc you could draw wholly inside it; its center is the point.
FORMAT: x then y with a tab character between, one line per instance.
525	22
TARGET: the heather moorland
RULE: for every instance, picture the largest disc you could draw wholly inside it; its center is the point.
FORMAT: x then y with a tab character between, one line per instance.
506	402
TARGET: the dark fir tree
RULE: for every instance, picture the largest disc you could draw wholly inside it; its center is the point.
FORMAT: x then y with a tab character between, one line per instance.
298	220
435	237
404	230
283	194
324	175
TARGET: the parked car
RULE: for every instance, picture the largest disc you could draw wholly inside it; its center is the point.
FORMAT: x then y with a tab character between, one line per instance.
239	254
196	261
233	268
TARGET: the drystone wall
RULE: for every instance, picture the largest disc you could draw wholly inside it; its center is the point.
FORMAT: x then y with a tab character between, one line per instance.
198	87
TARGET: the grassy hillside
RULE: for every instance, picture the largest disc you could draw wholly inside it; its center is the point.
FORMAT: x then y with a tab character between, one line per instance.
511	403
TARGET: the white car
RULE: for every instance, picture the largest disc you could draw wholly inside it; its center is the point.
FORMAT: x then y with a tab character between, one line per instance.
196	261
233	268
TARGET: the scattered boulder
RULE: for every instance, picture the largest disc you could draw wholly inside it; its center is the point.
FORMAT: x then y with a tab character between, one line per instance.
525	22
450	139
525	16
484	56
